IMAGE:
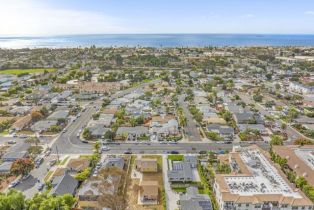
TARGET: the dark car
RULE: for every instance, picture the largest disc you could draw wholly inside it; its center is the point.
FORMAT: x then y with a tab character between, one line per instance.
40	186
127	152
174	152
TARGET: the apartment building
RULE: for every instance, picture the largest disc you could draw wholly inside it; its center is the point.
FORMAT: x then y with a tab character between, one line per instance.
256	184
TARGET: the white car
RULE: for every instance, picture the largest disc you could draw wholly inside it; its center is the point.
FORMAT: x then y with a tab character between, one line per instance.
13	184
105	148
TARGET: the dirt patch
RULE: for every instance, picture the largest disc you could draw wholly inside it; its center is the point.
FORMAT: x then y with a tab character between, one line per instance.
5	182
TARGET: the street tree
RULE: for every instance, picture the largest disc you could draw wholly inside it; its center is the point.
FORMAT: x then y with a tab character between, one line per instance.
22	166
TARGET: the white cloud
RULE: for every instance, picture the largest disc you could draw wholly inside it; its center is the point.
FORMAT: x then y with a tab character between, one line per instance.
34	18
309	12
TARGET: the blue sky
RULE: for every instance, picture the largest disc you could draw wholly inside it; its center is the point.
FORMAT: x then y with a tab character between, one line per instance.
57	17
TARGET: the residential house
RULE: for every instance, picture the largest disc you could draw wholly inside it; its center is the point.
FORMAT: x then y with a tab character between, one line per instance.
64	184
5	167
170	128
77	165
97	130
182	171
105	119
14	155
114	162
22	123
301	88
88	194
192	159
233	108
224	131
20	110
304	120
60	114
259	127
136	131
43	125
148	192
146	165
248	118
193	200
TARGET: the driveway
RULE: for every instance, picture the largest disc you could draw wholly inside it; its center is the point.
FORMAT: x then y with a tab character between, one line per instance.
171	196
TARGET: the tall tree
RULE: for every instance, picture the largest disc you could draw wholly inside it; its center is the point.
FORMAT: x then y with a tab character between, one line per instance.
22	166
12	200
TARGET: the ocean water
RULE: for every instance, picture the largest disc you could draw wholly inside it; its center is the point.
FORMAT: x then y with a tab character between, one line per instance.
157	40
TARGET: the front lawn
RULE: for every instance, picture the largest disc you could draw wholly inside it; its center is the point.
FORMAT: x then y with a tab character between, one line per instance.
25	71
175	157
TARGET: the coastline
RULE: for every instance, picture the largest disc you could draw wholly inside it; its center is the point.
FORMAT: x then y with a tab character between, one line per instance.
158	40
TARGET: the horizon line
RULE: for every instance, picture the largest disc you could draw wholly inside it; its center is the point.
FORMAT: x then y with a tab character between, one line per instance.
101	34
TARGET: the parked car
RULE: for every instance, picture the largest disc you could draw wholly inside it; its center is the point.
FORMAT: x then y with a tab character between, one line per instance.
174	152
105	148
13	184
38	161
127	152
11	142
40	186
48	152
52	163
25	177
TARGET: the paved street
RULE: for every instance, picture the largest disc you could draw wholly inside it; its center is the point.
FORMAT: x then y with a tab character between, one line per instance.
191	131
184	148
29	186
68	142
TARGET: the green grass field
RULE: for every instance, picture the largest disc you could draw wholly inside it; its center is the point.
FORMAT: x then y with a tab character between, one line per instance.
25	71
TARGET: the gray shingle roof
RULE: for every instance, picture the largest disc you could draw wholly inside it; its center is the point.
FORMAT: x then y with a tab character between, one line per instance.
181	171
114	162
223	130
61	114
65	184
193	200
